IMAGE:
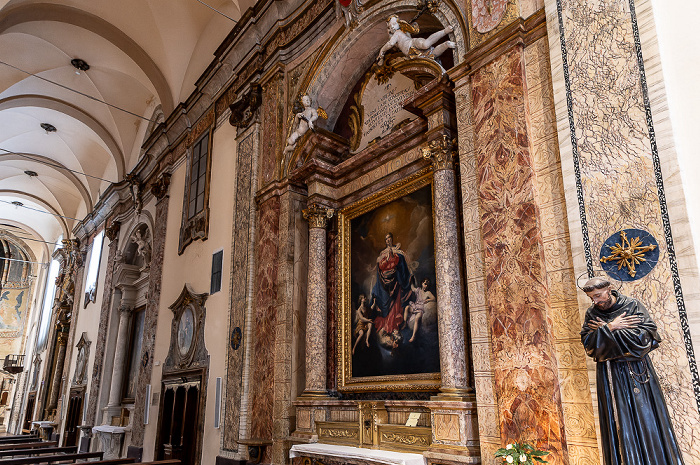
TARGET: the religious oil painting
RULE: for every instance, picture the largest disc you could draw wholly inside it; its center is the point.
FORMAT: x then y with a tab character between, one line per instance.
388	315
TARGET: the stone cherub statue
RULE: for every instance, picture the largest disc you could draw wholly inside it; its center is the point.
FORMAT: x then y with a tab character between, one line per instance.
143	248
304	119
400	36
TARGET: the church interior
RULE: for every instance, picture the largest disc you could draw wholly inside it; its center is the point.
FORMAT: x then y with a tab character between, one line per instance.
325	232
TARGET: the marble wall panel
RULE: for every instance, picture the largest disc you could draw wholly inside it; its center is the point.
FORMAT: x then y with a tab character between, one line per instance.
621	182
240	276
579	421
272	112
264	325
524	368
487	408
155	278
332	279
96	375
287	319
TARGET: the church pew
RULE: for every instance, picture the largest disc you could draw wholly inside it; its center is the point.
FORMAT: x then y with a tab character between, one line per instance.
163	462
69	458
18	440
121	461
42	451
28	445
34	433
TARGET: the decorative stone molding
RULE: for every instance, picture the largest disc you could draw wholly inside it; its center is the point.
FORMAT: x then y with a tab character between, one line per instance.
81	361
441	152
136	190
159	188
318	215
112	231
244	110
187	349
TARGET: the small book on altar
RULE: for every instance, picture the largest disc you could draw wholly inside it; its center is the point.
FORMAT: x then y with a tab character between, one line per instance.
413	419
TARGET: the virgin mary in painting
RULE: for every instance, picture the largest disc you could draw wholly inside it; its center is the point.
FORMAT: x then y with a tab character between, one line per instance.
402	340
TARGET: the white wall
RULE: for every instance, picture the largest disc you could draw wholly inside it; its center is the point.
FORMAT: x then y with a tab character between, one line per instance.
194	267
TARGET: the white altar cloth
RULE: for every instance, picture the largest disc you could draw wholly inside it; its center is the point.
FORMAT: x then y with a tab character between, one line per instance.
347	452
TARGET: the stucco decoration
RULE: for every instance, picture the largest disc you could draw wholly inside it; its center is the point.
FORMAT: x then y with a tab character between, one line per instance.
487	14
414	47
81	361
187	349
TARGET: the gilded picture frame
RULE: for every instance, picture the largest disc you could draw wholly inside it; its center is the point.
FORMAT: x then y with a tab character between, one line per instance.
387	267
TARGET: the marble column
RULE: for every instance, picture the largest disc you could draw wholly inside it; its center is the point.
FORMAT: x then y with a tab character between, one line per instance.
451	329
120	354
316	323
61	341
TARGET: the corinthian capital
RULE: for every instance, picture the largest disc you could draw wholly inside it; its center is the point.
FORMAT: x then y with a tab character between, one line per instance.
318	215
441	153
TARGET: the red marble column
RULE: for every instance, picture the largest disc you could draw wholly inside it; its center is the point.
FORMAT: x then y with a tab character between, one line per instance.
525	368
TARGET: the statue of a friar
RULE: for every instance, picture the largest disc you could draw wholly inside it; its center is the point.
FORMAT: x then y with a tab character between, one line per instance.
618	333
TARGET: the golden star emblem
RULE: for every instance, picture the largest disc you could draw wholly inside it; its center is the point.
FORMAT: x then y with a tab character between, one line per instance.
628	253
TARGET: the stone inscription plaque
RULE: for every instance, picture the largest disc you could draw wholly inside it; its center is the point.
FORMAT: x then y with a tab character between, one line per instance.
383	107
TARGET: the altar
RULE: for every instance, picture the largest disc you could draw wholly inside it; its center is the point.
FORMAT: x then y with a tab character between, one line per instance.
330	453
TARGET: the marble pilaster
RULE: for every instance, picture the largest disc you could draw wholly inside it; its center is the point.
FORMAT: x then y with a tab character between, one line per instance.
61	342
96	375
155	276
451	328
120	354
527	386
316	323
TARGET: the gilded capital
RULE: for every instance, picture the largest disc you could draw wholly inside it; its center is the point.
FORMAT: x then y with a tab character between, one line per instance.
441	152
318	215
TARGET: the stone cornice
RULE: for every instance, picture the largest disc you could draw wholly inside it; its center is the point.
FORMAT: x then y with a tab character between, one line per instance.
520	32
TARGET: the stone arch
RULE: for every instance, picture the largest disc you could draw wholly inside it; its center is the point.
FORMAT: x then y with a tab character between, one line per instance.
328	87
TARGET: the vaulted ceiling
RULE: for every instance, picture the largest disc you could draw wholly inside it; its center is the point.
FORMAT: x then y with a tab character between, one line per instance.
144	57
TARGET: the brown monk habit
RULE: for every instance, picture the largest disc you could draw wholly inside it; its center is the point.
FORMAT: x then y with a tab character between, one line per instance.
634	421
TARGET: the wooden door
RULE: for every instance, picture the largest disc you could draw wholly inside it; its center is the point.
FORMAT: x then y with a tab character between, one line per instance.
73	417
29	413
179	423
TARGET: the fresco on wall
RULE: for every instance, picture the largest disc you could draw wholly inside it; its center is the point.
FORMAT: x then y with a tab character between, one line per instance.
392	288
13	307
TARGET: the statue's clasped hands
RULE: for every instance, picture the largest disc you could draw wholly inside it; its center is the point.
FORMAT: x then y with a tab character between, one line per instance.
622	321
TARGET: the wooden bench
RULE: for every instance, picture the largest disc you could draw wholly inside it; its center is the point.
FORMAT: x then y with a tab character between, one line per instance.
28	445
127	460
122	461
68	458
41	451
18	440
34	433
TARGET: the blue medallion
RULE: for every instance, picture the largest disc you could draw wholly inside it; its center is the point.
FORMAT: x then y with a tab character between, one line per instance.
629	254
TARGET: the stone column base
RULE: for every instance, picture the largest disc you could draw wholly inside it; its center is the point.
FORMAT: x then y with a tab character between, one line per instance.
455	431
309	410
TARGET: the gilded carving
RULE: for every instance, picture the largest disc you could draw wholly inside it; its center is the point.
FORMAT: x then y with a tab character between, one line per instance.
338	433
441	152
407	439
318	215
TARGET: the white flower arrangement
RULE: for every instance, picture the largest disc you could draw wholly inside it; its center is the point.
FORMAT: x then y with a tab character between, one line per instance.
523	453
